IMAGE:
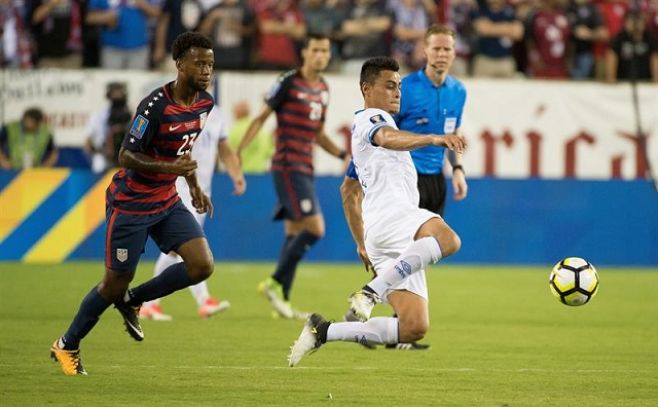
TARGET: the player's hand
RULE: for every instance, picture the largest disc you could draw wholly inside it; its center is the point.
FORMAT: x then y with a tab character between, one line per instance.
366	260
459	185
455	142
183	166
201	201
239	186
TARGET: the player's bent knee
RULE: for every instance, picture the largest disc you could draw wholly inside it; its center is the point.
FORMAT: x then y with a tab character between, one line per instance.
413	331
450	243
200	271
114	285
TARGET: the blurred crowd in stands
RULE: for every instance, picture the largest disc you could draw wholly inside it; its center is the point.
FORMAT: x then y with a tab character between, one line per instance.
580	39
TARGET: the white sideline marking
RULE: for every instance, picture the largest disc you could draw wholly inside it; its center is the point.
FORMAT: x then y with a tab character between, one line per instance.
378	368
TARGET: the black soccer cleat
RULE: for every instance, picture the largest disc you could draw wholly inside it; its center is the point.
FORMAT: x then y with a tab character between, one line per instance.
130	316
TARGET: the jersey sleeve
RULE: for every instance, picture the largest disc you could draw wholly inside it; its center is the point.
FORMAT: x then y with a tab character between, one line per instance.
279	90
461	110
372	121
143	128
351	171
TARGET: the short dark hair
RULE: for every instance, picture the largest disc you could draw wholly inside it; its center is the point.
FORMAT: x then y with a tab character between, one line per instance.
372	67
187	40
34	113
314	36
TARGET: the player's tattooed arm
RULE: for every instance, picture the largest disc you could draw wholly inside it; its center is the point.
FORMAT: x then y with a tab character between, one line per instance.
183	166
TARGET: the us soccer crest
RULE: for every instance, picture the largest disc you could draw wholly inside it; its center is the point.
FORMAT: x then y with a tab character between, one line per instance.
202	119
122	255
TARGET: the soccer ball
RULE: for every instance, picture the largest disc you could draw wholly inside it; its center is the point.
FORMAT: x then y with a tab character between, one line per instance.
574	281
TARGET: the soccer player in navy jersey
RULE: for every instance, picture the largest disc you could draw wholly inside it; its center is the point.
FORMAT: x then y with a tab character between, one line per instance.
432	103
142	201
299	98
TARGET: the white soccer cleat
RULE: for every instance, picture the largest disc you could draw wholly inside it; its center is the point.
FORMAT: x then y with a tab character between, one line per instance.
153	312
361	304
273	291
213	306
313	335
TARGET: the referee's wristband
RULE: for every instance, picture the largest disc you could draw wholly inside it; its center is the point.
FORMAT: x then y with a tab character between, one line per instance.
458	167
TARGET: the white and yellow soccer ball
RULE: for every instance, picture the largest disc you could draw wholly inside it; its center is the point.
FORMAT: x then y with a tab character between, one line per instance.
574	281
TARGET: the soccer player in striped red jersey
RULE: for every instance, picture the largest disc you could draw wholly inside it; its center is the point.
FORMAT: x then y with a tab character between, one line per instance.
300	98
142	201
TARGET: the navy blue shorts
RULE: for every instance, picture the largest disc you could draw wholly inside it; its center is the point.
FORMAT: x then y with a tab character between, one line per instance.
296	192
126	234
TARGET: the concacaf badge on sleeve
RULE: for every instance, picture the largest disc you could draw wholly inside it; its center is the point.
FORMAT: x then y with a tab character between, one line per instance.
139	126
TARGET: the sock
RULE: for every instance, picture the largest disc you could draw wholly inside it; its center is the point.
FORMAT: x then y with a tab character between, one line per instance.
91	308
416	257
172	279
200	293
284	249
377	330
290	256
164	261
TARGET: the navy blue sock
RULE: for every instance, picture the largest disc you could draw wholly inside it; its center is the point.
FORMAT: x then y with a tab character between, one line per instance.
173	278
284	248
290	256
91	308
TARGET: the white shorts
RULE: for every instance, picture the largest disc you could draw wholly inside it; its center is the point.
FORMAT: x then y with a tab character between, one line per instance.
386	240
186	197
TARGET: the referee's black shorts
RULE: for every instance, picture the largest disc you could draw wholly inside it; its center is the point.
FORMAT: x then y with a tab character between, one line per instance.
432	189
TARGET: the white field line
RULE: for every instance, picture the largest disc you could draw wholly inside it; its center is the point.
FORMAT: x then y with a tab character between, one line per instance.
377	368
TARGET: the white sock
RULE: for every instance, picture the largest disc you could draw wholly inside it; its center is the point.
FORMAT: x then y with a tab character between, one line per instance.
164	261
377	330
416	257
200	292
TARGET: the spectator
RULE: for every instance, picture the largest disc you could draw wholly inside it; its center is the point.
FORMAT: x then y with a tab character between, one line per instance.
460	13
106	128
230	25
173	21
633	53
15	42
497	29
256	156
613	12
411	22
27	142
125	34
325	20
280	26
364	33
548	35
57	30
587	28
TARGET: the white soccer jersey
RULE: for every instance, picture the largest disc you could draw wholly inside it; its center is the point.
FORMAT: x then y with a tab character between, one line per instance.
388	177
391	216
204	152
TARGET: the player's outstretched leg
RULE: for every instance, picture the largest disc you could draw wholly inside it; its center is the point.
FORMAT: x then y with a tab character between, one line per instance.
317	331
313	335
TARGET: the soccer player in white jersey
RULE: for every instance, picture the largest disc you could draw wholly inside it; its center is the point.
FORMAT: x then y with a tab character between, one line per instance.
401	239
211	144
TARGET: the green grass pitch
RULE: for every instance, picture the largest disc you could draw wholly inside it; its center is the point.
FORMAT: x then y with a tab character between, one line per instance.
498	339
